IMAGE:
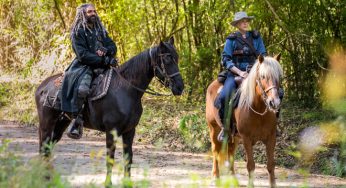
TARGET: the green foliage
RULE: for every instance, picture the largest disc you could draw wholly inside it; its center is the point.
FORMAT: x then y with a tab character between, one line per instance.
33	173
36	36
318	115
194	131
4	94
321	149
230	181
17	102
6	164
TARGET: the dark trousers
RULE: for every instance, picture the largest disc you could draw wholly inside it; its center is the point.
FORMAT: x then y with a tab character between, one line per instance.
223	99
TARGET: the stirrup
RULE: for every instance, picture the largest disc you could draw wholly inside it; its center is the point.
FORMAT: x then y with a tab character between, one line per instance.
75	129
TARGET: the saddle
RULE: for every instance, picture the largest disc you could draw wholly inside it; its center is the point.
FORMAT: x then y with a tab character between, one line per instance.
99	88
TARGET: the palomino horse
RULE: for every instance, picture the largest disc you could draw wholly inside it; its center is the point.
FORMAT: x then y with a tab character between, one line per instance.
120	109
254	117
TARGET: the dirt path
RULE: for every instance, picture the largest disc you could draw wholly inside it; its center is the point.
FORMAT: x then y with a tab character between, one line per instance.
83	161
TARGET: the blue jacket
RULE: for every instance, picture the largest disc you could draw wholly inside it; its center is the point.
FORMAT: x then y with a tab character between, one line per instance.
230	47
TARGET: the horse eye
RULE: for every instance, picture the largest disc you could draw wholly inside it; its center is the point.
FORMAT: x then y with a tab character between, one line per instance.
168	61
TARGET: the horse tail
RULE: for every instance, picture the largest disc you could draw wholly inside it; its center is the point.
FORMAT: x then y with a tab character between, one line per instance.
223	157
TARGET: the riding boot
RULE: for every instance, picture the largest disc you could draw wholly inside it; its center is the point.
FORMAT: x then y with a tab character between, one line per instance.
75	129
221	135
224	114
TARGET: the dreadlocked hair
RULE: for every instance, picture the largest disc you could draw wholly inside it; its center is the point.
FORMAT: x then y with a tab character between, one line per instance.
81	21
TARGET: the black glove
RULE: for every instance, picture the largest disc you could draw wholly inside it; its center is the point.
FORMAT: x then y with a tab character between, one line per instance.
110	61
103	49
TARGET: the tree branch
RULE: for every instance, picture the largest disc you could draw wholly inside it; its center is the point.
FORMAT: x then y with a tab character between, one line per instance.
59	12
277	17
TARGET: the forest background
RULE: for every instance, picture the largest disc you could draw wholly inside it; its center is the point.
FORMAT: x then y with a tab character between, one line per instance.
310	35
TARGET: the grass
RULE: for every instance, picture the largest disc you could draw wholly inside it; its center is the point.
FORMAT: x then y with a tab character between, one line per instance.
33	173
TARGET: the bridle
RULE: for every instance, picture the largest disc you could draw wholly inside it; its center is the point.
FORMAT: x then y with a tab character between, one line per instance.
264	95
161	68
167	82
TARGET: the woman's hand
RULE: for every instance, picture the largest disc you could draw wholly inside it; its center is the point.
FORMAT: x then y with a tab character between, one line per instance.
243	74
237	71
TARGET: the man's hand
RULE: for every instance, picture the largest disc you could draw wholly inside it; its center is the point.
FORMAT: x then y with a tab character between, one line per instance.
110	61
100	53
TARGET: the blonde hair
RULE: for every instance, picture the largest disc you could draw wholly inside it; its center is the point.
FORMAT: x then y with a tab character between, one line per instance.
269	69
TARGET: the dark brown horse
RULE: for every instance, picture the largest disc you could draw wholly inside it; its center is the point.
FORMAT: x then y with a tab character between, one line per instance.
254	117
120	109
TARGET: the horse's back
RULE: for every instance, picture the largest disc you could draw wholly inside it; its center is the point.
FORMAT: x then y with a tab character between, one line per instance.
41	89
44	83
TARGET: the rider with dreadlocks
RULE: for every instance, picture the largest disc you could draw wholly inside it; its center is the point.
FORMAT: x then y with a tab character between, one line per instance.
94	49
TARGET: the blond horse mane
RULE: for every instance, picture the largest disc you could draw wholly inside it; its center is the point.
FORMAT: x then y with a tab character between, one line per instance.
269	69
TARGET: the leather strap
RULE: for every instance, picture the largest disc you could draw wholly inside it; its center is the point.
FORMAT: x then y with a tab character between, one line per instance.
249	44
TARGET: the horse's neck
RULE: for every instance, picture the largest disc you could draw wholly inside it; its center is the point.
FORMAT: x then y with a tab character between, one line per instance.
144	79
141	77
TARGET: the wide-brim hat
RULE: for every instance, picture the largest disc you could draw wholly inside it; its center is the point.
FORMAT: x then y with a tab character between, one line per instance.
239	16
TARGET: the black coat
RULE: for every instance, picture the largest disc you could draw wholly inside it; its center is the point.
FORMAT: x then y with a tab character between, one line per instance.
85	45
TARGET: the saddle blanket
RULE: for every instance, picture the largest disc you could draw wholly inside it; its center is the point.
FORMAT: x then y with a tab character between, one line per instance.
99	88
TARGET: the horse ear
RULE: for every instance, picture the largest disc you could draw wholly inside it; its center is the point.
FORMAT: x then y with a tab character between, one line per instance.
278	57
260	58
161	45
171	40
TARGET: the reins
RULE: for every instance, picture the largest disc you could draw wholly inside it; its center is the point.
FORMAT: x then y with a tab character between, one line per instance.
162	71
150	91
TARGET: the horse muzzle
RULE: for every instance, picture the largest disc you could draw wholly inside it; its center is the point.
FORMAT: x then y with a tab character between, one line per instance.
177	86
273	104
178	90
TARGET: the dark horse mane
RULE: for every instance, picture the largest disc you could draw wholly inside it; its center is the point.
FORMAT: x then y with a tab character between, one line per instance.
143	62
136	64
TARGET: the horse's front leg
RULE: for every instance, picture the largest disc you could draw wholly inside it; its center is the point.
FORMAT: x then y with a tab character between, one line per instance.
270	146
250	161
127	146
110	144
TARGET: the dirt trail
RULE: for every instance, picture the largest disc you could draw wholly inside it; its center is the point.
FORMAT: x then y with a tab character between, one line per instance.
83	161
